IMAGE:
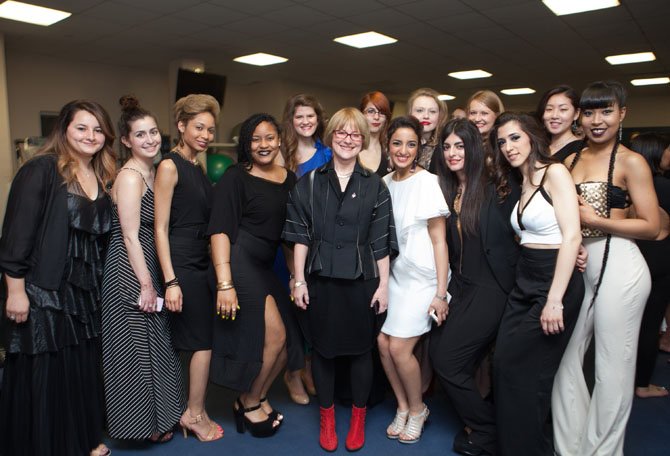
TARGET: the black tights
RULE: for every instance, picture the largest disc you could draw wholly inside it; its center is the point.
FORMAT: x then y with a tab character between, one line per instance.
323	371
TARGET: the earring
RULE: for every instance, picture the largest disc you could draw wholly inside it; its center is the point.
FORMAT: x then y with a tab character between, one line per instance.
574	126
389	166
181	143
414	164
620	132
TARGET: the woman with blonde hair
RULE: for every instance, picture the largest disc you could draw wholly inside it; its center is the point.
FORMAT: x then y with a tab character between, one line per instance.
427	108
182	208
339	217
483	108
53	243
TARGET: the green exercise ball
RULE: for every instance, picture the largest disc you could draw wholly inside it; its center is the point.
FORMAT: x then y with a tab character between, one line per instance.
217	165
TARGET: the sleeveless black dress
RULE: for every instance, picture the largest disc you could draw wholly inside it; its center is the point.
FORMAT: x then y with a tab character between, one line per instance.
189	252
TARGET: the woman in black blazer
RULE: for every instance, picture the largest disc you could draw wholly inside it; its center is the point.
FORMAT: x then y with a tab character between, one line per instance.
482	255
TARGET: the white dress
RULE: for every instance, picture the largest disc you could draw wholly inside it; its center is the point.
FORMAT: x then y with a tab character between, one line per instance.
413	279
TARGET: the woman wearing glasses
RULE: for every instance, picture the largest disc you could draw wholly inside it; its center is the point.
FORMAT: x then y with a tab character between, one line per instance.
377	110
339	217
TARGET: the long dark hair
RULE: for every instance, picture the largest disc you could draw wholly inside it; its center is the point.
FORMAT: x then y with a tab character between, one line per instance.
130	112
651	146
475	175
563	89
247	132
539	156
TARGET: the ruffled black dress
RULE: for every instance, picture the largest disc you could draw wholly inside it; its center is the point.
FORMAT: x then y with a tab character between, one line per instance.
51	402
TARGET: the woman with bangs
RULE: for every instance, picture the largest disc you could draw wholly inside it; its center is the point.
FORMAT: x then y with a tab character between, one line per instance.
482	256
427	108
558	110
377	110
52	249
340	220
610	178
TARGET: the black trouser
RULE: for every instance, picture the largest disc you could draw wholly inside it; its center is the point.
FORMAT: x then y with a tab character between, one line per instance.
323	371
526	360
647	348
458	347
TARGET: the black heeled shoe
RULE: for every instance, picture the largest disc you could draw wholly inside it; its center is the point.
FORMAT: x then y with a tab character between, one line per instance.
265	428
274	414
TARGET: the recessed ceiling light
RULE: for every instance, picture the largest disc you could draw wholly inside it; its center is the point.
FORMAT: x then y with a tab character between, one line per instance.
364	40
519	91
260	59
650	81
470	74
445	97
32	14
563	7
622	59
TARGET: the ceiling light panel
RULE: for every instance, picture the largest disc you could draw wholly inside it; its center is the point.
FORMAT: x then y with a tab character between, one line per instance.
32	14
260	59
445	97
518	91
650	81
563	7
365	40
470	74
623	59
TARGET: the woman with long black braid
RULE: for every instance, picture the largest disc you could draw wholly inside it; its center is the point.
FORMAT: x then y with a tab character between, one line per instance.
609	179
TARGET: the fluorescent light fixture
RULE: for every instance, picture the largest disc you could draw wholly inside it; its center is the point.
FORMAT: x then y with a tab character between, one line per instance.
364	40
445	97
650	81
260	59
563	7
622	59
38	15
519	91
470	74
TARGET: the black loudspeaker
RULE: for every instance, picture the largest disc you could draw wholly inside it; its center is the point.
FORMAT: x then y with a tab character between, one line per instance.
189	82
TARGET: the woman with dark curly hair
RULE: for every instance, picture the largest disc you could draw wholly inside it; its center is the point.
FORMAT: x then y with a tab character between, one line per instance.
248	215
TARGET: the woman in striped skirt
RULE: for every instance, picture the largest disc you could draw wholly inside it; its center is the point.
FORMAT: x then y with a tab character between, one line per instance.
143	388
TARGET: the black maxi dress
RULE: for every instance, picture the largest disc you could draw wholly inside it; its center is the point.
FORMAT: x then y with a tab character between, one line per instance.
251	211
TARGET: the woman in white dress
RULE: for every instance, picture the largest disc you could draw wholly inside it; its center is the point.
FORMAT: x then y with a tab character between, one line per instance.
418	281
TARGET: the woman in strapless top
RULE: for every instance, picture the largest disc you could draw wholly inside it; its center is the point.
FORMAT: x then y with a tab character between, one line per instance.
609	179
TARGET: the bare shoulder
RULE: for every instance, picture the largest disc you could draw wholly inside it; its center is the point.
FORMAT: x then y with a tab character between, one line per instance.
628	158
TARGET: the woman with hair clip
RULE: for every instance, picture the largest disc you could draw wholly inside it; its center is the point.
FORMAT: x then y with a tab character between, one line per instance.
144	394
483	108
542	308
339	217
248	214
609	179
418	282
558	110
427	108
182	207
302	128
482	256
52	250
377	110
656	150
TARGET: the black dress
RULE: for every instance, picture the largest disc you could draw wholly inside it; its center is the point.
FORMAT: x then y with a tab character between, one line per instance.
51	401
189	252
569	149
251	211
656	254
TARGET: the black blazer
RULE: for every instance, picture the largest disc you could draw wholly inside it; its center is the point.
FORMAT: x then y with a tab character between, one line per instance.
35	231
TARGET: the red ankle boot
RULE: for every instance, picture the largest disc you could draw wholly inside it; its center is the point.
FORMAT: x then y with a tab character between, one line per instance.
356	436
327	435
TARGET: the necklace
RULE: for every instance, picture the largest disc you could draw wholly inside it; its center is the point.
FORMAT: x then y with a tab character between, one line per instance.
343	176
193	161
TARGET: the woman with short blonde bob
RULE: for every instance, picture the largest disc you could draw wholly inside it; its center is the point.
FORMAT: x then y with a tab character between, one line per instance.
339	217
427	108
182	207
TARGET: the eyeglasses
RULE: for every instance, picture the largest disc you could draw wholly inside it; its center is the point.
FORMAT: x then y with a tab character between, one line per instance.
341	134
374	112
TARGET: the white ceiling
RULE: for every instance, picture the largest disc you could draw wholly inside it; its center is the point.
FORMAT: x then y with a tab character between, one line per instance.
520	41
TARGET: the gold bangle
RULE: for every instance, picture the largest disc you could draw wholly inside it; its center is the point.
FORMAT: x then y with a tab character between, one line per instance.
224	287
223	262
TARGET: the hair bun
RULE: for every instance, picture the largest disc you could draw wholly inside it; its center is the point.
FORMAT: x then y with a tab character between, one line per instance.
129	102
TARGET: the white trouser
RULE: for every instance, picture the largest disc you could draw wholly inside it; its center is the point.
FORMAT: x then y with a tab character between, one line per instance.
589	426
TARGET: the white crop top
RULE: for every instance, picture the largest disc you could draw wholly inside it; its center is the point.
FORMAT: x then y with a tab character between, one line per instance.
536	223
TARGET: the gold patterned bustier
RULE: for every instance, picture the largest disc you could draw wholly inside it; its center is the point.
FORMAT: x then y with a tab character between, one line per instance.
595	194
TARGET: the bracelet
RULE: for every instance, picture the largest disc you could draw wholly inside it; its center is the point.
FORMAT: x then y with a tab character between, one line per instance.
299	283
558	307
225	285
172	283
223	262
444	298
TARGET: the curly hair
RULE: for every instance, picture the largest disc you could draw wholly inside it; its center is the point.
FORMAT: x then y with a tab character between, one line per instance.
247	132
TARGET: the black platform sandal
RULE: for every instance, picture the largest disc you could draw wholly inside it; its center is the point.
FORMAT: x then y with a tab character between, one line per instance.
265	428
